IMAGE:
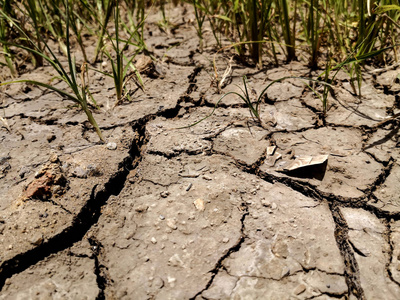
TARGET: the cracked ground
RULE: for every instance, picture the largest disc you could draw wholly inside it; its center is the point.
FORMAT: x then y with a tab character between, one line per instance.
202	212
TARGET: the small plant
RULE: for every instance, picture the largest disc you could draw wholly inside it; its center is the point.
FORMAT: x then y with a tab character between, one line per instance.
254	106
200	18
80	93
120	64
4	37
101	13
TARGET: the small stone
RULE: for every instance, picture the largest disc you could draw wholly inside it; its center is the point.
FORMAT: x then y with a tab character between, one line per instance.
164	194
4	167
266	203
171	224
79	172
111	146
104	64
171	281
199	204
208	178
274	206
23	172
92	170
158	283
44	215
161	217
36	239
153	240
175	261
299	289
54	158
10	247
189	187
64	167
56	190
271	150
50	137
141	208
225	240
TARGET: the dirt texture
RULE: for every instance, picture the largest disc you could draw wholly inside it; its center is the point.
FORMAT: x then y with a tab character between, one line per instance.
166	211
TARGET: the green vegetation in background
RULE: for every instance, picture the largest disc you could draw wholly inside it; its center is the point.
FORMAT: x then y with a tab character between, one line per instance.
331	35
31	25
80	92
120	64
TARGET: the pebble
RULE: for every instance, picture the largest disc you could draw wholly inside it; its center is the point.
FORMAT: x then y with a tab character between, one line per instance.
171	224
171	281
141	208
92	170
164	194
50	137
199	204
299	289
79	172
274	206
189	187
44	215
266	203
225	240
36	239
162	217
111	146
64	167
158	283
175	260
153	240
208	178
54	158
56	190
24	170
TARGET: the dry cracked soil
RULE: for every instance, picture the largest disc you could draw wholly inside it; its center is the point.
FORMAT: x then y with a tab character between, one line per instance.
205	212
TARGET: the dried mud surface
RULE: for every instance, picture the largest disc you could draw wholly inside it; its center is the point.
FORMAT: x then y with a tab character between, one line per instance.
202	212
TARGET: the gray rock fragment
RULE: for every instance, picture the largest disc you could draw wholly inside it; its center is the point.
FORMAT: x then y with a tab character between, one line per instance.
111	146
80	172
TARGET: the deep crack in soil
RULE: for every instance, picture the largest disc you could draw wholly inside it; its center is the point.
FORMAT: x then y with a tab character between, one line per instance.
236	247
84	220
91	211
352	272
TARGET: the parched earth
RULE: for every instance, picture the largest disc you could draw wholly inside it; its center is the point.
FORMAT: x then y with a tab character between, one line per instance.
212	211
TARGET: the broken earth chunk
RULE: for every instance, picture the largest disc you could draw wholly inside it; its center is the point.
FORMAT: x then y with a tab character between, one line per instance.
272	156
49	181
302	161
145	65
199	204
271	150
